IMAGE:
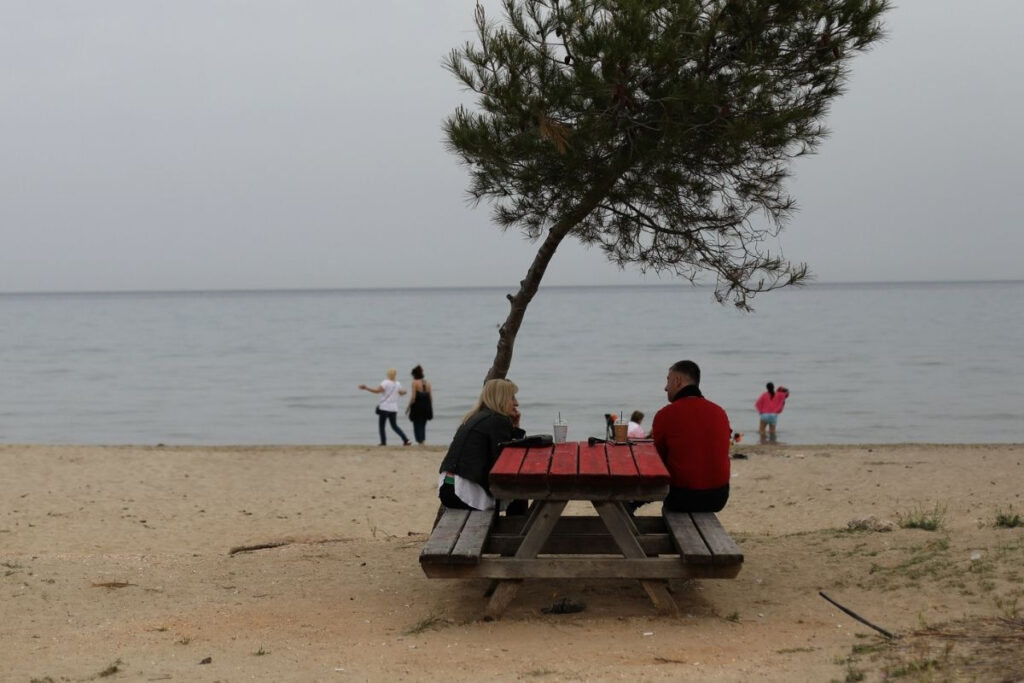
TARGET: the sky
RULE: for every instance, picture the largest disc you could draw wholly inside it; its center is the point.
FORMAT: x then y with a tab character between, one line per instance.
230	144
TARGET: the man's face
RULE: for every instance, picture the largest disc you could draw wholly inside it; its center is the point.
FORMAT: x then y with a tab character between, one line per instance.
673	384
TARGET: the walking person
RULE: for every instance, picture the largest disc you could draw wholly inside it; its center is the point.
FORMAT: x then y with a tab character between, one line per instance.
769	405
387	405
421	405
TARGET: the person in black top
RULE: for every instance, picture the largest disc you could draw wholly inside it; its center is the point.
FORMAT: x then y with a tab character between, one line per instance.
475	447
421	405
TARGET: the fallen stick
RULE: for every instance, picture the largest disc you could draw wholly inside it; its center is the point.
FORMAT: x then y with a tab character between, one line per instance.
887	634
258	546
288	541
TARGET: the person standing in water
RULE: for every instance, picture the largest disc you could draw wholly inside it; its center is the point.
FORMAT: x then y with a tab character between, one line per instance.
769	405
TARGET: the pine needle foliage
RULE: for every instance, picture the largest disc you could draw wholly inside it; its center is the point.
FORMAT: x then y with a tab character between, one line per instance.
661	131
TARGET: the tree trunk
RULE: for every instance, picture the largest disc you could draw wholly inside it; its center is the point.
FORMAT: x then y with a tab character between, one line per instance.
528	286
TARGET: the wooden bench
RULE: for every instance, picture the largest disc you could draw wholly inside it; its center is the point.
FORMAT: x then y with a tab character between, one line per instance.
703	543
457	538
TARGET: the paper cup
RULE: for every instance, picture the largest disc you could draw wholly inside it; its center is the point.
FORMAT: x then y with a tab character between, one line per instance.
561	432
619	432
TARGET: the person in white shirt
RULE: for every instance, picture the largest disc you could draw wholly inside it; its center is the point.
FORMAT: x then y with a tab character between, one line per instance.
634	430
387	406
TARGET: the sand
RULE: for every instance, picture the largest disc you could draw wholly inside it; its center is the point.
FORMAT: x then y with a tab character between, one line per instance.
115	564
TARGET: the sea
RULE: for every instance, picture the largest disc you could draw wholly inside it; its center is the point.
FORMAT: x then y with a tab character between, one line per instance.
865	363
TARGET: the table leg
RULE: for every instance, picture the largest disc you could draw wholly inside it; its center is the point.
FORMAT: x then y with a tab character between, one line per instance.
622	529
538	529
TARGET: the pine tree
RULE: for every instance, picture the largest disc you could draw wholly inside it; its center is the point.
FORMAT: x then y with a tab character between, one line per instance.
661	131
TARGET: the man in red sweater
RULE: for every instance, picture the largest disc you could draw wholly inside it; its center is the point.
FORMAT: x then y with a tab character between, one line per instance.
692	436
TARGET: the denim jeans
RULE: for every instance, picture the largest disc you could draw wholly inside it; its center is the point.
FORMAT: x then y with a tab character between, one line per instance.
386	416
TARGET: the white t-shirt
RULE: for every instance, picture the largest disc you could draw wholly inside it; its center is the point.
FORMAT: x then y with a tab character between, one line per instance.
389	399
635	431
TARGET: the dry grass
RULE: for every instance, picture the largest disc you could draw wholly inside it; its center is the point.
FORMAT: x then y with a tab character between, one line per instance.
980	649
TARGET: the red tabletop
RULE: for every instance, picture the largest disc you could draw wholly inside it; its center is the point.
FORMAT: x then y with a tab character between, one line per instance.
578	471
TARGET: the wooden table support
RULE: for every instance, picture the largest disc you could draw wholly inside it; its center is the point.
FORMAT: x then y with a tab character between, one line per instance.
541	522
624	532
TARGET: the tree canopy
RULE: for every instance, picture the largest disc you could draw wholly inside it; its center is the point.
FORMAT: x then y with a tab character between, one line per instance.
661	131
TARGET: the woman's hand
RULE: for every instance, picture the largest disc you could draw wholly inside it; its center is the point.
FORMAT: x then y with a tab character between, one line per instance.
515	417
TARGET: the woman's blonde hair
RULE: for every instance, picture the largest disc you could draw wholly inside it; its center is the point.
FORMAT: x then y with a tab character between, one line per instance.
392	373
495	396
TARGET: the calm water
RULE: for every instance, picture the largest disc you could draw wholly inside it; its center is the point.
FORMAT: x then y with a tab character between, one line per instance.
866	363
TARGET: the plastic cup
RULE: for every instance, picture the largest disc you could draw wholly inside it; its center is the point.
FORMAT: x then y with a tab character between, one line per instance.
561	432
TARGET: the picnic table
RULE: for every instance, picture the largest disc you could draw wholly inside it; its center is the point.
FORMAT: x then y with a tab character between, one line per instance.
546	544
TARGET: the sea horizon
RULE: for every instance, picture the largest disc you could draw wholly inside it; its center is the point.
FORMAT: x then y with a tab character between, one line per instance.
442	288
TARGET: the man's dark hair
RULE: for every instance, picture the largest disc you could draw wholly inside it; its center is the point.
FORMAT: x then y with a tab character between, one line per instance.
417	372
688	368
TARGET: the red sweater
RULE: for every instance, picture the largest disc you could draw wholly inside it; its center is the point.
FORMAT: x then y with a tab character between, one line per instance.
692	436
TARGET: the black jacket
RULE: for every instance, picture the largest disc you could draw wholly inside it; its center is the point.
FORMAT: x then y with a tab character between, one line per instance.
475	449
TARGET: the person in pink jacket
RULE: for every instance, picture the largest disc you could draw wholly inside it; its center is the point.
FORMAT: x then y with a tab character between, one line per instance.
769	405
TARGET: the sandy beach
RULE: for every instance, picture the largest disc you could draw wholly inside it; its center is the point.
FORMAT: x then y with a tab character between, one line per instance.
116	564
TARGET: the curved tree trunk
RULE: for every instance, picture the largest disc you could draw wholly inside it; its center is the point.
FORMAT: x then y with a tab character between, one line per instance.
528	286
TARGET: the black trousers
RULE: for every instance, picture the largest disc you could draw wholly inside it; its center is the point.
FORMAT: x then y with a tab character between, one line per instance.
448	498
689	500
696	500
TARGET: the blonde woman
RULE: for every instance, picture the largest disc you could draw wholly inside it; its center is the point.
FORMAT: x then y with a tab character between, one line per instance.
387	406
493	419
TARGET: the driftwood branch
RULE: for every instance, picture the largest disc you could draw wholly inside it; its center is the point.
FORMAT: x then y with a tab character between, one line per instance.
277	544
259	546
887	634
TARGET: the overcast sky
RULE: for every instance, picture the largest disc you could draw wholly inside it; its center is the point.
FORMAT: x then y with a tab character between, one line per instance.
209	144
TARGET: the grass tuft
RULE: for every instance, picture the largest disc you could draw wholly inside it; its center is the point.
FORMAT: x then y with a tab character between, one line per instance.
111	670
1008	520
919	518
425	624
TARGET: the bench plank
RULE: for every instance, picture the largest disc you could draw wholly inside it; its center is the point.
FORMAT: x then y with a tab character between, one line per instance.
580	544
723	548
471	541
688	540
578	524
444	536
581	568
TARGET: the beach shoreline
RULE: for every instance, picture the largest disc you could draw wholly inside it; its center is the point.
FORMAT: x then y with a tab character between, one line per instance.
121	556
